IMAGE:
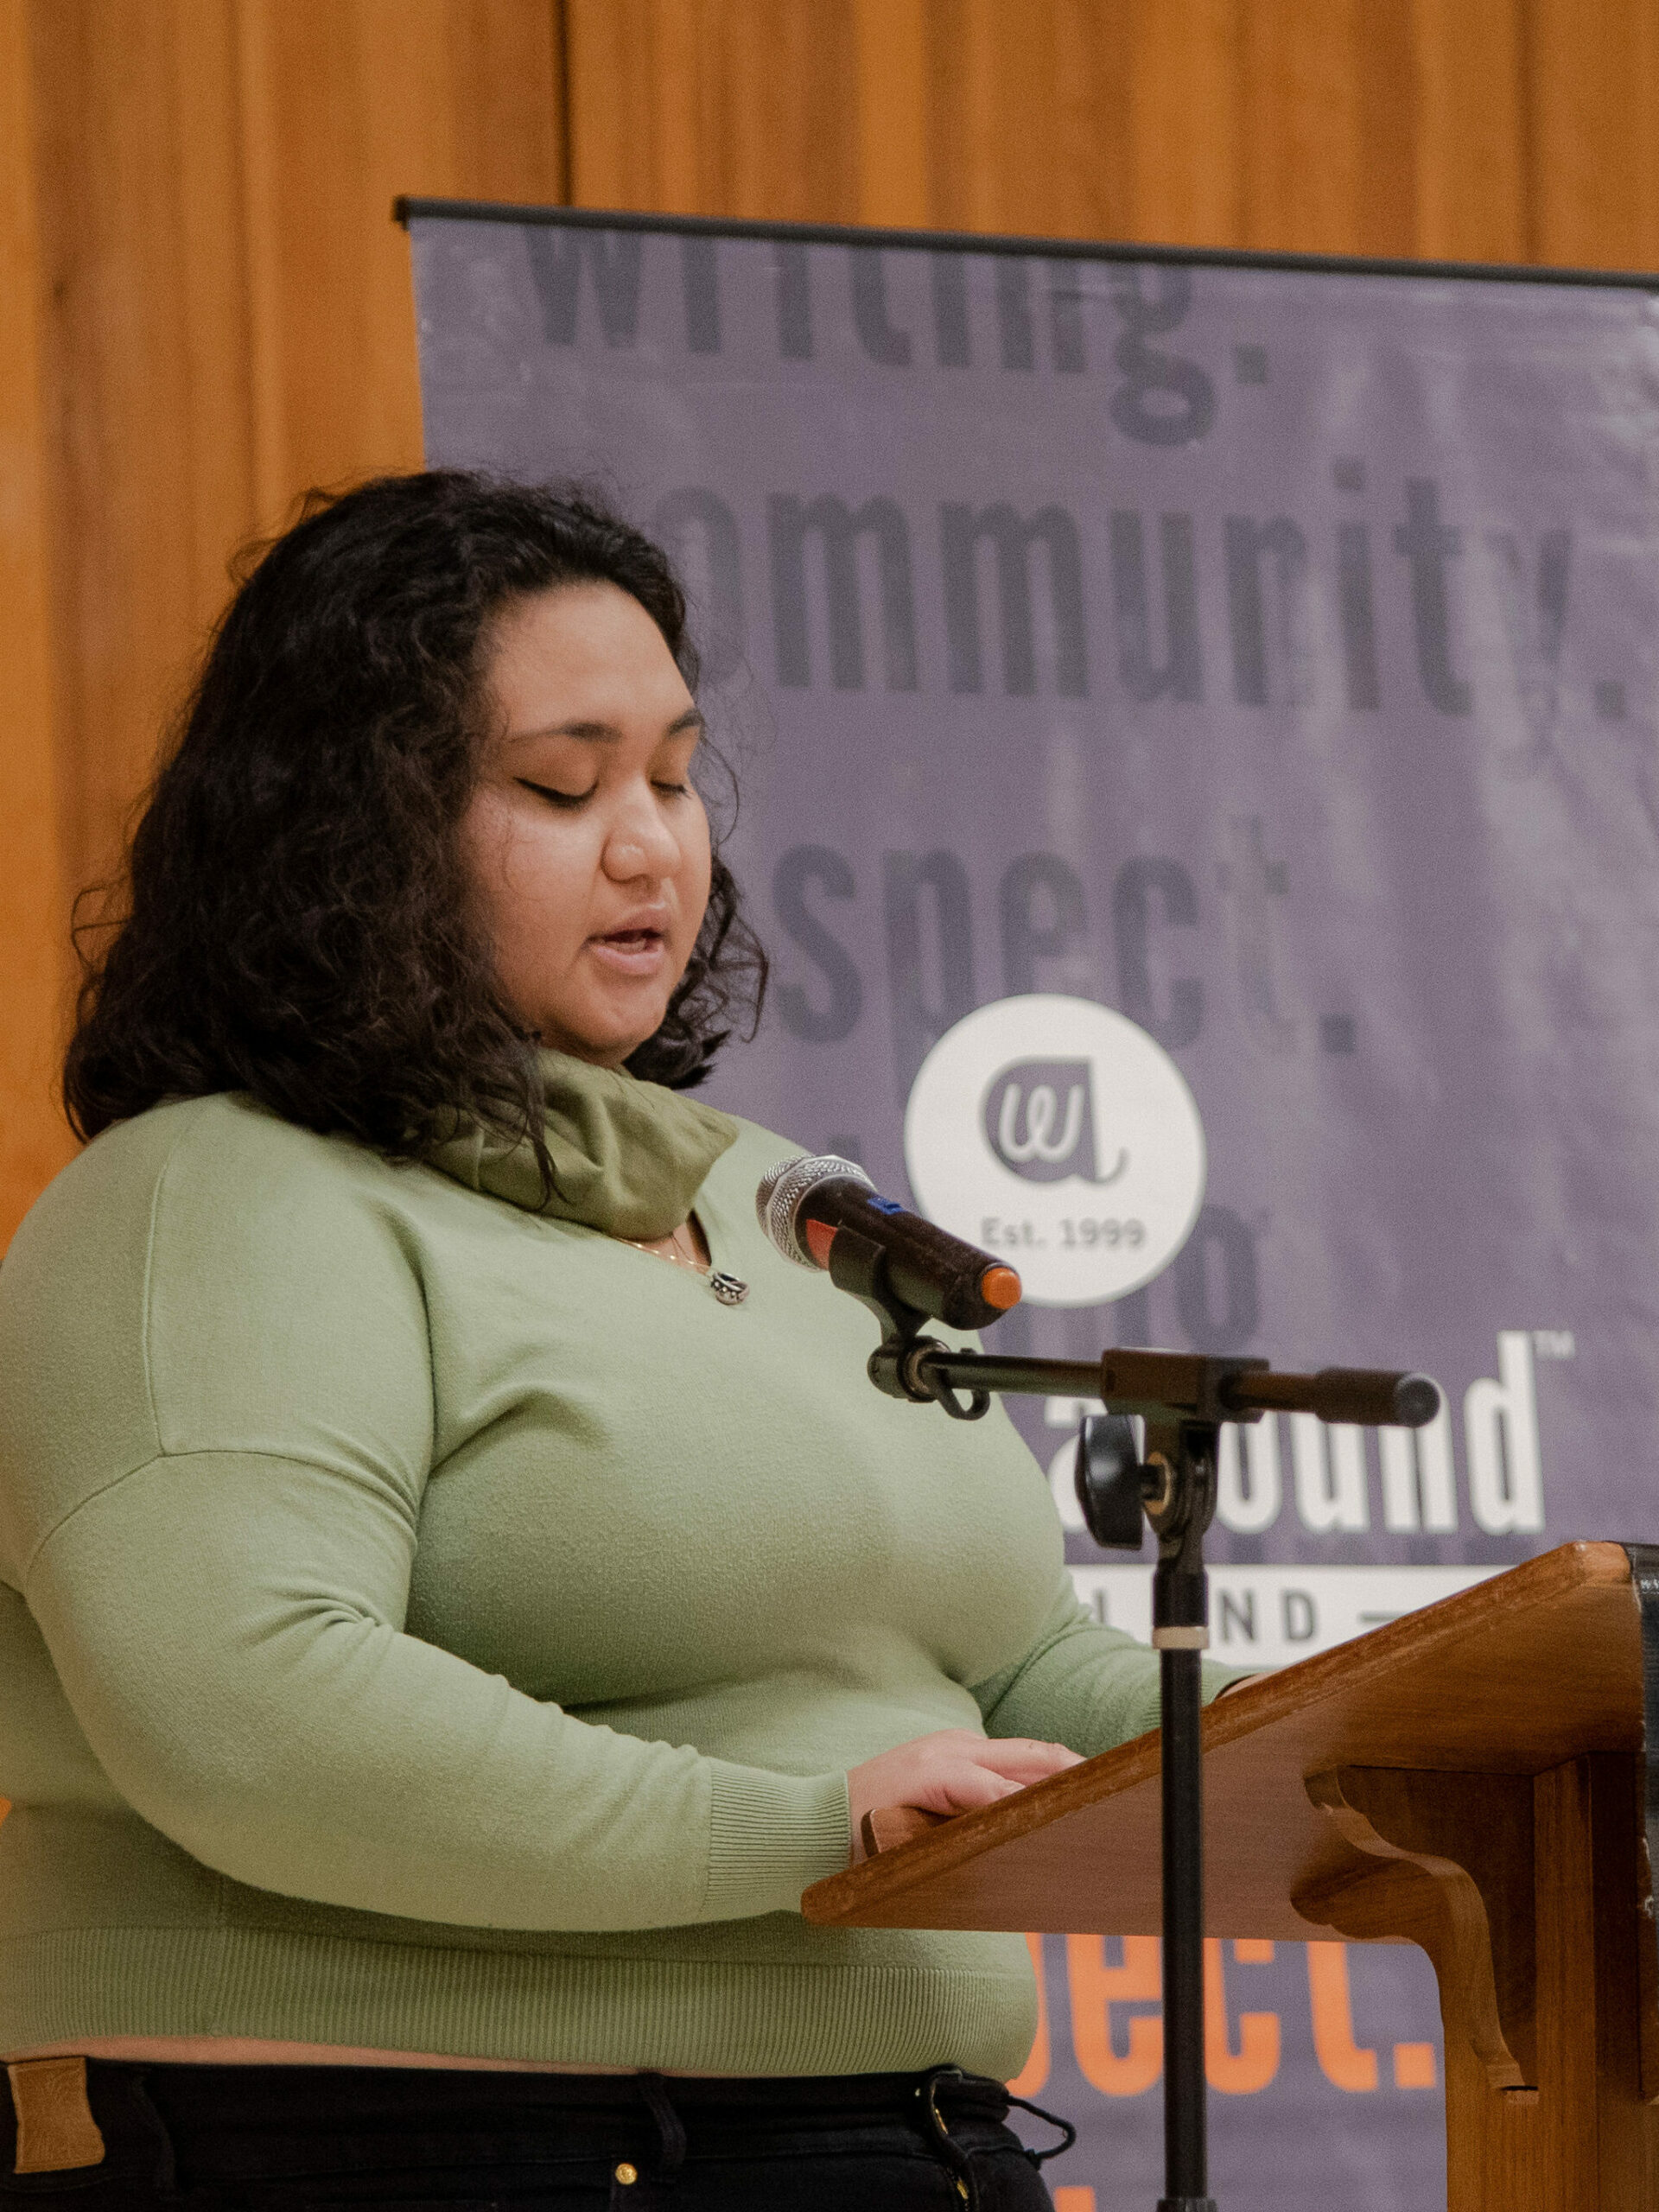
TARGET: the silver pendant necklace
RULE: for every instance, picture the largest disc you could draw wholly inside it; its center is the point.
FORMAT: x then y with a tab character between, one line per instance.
729	1289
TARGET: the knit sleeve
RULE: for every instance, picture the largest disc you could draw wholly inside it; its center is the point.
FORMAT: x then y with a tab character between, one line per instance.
1082	1685
261	1706
214	1523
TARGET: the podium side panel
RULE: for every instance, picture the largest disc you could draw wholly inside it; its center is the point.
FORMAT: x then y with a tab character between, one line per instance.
1628	2127
1583	2139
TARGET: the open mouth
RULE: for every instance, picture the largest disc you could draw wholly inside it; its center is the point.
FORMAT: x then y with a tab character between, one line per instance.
636	952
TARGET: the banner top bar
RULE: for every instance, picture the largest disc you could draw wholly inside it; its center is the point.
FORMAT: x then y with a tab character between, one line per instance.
408	208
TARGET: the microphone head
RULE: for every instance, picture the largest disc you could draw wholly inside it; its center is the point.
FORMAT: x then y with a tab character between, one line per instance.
778	1199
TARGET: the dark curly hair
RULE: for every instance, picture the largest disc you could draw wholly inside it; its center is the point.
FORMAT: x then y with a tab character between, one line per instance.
296	920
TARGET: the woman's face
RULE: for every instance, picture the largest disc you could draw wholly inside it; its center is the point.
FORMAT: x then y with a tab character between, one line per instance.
587	847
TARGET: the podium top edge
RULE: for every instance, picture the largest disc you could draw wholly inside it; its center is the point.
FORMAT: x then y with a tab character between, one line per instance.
1464	1657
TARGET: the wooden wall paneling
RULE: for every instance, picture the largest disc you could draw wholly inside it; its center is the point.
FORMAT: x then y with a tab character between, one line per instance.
1073	134
650	119
506	68
892	113
346	104
968	126
34	1143
1086	122
1592	77
221	503
233	322
1384	126
789	94
221	317
135	357
1029	126
1312	182
790	85
318	121
1472	177
1071	120
694	106
1381	58
616	161
1185	122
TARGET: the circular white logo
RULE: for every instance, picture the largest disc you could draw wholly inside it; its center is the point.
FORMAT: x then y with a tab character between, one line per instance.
1055	1133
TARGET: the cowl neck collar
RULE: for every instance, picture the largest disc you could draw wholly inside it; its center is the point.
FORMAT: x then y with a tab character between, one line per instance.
628	1157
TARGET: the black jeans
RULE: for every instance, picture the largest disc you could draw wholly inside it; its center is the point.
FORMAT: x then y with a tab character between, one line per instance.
313	2139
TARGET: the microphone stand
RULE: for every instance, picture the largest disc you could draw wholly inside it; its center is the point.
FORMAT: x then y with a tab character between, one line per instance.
1183	1398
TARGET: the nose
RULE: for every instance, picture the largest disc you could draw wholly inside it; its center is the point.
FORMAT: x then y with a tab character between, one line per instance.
640	843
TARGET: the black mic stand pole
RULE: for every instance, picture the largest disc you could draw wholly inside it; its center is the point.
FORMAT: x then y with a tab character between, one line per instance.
1184	1455
1183	1400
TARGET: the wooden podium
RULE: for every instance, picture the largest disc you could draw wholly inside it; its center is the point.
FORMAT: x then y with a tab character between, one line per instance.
1472	1778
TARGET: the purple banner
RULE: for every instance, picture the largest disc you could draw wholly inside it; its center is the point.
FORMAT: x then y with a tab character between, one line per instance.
1197	740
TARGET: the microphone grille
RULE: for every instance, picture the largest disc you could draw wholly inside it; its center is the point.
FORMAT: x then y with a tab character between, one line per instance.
778	1199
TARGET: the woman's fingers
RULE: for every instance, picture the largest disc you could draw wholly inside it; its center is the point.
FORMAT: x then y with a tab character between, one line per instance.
992	1770
952	1771
1025	1761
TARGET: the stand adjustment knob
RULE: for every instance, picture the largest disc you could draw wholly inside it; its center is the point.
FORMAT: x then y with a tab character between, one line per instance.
1110	1481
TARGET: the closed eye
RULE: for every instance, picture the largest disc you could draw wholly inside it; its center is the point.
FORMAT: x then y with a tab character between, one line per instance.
568	800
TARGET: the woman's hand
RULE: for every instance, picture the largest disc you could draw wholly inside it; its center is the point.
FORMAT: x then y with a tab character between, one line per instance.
950	1772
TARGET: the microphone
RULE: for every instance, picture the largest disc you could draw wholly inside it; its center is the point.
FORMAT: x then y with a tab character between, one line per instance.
805	1204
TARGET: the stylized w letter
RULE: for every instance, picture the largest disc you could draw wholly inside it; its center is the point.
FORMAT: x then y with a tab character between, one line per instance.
1040	1120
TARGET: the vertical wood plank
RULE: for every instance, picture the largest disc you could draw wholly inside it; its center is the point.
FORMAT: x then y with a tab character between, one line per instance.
891	42
1381	57
1030	117
987	174
124	331
693	106
684	112
34	1142
346	104
1084	174
232	318
788	71
1301	107
963	116
1187	187
218	327
1593	81
613	73
1473	180
506	80
255	97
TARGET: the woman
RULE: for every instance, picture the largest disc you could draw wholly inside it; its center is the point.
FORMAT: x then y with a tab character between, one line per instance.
442	1639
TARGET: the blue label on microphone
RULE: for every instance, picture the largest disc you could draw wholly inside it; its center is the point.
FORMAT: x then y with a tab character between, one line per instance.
887	1206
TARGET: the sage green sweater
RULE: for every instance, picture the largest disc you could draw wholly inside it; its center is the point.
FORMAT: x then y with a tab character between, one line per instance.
429	1625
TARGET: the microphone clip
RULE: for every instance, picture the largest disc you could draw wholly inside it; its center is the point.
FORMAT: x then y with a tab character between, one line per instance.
899	1365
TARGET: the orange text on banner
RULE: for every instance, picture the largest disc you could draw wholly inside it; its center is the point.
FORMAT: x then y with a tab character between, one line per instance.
1096	1987
1237	2073
1341	2059
1414	2066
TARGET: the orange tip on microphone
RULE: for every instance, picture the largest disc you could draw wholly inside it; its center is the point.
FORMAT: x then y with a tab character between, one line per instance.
1000	1287
820	1236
